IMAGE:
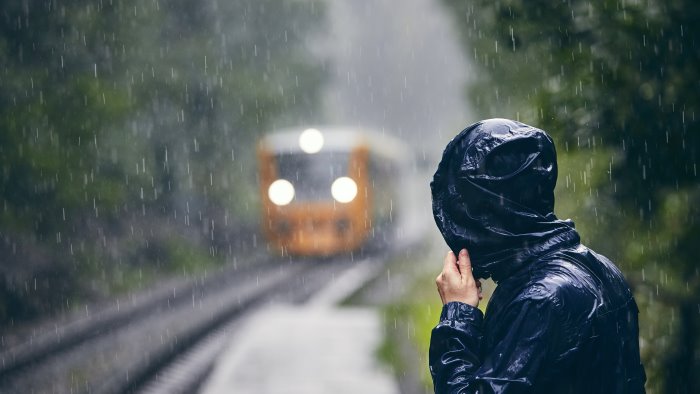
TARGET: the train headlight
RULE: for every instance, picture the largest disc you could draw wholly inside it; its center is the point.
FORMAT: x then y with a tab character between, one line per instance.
311	141
281	192
344	189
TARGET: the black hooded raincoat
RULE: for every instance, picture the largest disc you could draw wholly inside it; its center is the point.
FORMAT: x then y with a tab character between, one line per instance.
562	319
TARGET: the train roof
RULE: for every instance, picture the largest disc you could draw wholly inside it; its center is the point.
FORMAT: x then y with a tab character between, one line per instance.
338	139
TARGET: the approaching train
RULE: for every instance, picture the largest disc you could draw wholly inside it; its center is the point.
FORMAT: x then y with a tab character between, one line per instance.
329	190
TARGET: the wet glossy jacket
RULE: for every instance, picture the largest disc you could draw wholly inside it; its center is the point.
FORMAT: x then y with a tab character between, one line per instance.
562	319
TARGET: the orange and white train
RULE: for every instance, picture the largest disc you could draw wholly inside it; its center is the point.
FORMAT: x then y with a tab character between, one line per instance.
329	190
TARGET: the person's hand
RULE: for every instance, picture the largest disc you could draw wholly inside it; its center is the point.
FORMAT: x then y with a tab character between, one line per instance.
456	282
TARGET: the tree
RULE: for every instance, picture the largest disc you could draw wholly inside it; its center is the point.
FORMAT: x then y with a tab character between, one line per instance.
126	129
621	76
55	110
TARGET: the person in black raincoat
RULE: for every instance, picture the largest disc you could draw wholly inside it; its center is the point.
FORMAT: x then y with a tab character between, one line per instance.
562	318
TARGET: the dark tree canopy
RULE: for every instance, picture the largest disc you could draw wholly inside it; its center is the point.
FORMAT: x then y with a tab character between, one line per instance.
126	135
621	76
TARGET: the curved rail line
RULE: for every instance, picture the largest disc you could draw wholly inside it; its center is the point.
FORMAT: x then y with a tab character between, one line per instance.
122	312
27	363
124	347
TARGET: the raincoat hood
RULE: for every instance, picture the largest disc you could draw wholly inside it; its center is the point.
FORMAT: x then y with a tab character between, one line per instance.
493	194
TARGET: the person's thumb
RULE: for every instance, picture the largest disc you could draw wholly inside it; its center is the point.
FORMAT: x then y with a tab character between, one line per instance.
465	264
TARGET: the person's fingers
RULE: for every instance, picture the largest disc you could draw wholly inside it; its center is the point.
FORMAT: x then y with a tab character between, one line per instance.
456	281
450	264
465	265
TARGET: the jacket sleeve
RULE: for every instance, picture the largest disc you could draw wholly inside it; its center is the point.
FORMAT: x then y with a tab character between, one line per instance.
454	349
524	341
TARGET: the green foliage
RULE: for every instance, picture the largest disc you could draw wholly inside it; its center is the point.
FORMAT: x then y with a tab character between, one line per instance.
126	137
408	323
615	82
51	162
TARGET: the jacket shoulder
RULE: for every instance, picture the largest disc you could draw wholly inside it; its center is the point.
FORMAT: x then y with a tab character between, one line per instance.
565	285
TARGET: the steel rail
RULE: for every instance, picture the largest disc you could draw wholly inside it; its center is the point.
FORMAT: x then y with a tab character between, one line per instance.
21	358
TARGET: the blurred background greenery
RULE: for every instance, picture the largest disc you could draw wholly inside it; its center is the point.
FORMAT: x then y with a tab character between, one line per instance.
127	132
127	135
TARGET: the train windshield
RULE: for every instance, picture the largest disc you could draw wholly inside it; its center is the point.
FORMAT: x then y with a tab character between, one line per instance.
312	174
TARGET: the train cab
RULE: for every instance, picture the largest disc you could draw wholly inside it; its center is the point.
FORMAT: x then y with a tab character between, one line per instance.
328	190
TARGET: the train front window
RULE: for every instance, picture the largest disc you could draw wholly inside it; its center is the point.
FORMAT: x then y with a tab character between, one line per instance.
312	175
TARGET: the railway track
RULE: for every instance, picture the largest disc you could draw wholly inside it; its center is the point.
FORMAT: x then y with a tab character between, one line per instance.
324	288
131	348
